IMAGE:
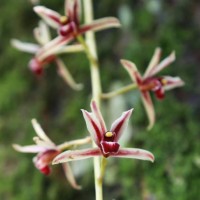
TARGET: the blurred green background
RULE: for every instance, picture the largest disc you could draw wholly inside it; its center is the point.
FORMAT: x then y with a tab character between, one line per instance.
146	24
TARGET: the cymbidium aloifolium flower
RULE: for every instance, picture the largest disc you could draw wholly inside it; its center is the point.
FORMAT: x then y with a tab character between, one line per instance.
105	139
37	66
150	81
69	26
46	151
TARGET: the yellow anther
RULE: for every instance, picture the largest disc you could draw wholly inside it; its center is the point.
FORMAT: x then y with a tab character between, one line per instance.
164	81
63	19
109	134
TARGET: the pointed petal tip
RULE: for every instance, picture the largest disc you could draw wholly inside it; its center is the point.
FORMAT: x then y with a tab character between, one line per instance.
84	111
158	49
152	158
131	110
113	21
77	187
13	41
78	86
128	64
182	83
38	9
150	126
116	22
55	162
16	147
149	156
173	55
33	120
123	61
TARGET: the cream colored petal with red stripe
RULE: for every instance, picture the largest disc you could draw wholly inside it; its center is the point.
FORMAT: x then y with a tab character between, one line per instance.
76	155
120	124
98	115
153	63
164	63
148	105
132	70
93	126
51	17
134	153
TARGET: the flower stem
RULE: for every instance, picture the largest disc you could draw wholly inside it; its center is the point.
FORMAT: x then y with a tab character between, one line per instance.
96	86
119	91
103	167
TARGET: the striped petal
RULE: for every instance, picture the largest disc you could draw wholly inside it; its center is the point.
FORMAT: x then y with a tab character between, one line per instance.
132	70
100	24
93	126
67	77
134	153
42	33
72	10
43	143
29	148
38	129
164	63
172	82
51	17
120	124
146	99
76	155
98	115
154	62
25	46
70	177
52	47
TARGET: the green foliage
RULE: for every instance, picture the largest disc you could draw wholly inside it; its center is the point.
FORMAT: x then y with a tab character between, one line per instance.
175	138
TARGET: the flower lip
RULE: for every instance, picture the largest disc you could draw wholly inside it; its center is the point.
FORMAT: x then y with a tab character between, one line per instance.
43	160
36	66
109	147
108	144
68	29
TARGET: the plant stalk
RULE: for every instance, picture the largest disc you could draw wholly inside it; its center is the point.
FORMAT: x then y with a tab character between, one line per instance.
119	91
96	87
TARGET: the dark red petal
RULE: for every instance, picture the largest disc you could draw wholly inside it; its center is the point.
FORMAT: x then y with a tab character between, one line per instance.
69	29
160	94
109	147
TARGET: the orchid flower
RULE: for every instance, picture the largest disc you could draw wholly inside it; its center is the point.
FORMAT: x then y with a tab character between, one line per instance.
68	26
46	151
150	82
106	140
42	35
